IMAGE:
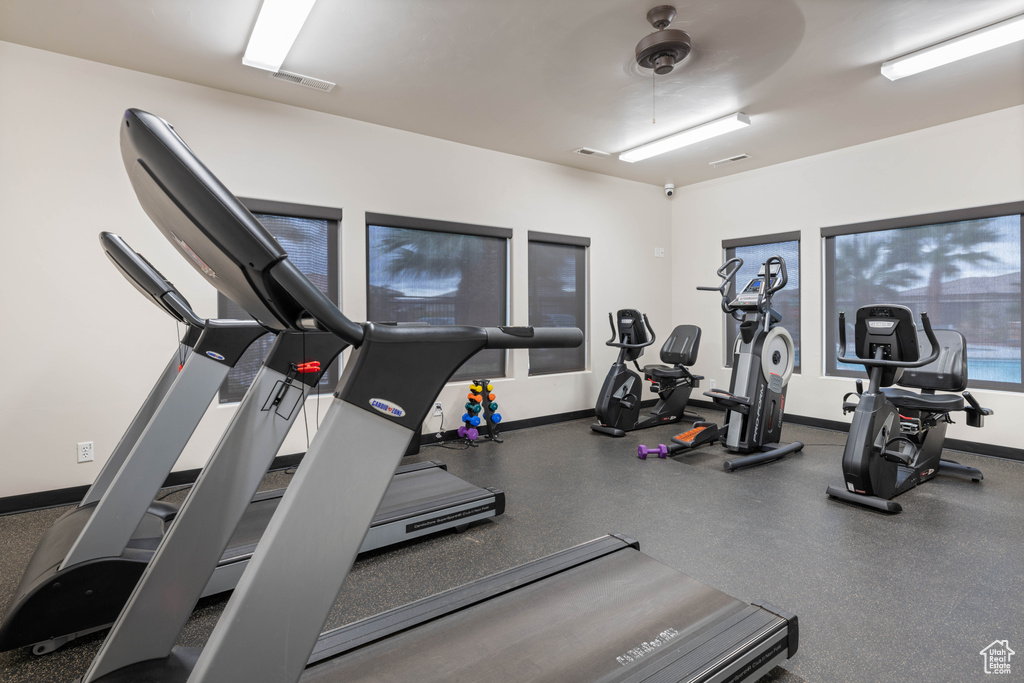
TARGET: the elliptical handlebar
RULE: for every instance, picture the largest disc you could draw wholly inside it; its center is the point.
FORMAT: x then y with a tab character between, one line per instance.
622	345
770	289
764	297
876	362
726	272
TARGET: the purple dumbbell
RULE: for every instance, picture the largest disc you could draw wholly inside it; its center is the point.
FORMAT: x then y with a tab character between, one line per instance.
462	431
472	433
661	451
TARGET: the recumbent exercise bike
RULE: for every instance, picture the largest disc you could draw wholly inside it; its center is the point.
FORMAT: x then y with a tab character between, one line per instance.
618	404
763	362
895	439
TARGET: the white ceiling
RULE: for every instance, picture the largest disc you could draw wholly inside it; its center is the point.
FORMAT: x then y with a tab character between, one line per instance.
540	78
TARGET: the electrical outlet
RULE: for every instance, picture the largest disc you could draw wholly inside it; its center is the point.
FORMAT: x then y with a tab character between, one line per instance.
659	252
437	409
85	451
713	384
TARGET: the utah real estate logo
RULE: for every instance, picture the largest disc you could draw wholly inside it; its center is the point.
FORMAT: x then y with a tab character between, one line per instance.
997	657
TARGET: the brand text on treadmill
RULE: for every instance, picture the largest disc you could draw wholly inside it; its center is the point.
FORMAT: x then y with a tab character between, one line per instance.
647	647
387	407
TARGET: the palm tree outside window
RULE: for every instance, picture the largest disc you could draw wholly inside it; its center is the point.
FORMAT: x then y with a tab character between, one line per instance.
441	273
962	268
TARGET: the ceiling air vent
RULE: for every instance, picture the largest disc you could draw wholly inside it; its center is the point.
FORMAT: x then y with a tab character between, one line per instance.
588	152
722	162
307	81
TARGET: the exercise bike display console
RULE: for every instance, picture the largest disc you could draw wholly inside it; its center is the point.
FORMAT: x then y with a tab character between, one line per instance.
895	439
618	404
763	362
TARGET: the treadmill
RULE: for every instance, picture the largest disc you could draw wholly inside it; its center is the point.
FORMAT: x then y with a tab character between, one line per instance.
88	562
599	611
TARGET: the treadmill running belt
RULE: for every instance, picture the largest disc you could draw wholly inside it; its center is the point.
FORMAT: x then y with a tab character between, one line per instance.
596	622
422	490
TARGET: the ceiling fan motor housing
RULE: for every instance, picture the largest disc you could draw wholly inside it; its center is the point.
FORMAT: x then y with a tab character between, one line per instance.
664	48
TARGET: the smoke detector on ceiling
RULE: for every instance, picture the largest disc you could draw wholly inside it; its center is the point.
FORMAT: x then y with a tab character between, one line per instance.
307	81
664	48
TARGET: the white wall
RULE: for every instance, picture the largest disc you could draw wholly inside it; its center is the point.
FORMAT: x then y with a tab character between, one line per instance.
972	162
82	347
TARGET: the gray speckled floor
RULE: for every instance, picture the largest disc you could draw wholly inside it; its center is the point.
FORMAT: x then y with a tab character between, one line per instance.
910	597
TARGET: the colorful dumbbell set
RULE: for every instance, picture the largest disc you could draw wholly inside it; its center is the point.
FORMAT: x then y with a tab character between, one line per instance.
480	408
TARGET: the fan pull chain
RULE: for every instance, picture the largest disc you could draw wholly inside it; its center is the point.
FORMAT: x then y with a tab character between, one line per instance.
654	110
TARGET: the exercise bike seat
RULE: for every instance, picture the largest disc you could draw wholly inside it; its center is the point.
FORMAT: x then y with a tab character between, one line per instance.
911	400
948	372
678	352
658	372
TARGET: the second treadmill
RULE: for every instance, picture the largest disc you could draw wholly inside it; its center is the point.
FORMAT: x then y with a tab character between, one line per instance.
87	564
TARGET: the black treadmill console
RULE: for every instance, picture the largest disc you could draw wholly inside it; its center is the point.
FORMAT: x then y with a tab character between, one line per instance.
217	235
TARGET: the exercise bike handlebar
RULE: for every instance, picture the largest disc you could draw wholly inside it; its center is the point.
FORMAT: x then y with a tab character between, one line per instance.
726	272
877	362
623	345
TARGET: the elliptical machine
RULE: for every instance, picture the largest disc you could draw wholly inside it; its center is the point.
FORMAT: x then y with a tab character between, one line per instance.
618	404
895	439
762	364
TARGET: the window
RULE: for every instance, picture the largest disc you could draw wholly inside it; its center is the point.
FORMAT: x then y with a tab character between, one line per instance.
310	236
961	267
557	296
755	251
440	273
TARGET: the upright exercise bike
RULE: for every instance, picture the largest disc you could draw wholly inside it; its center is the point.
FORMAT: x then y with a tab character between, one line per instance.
895	440
762	364
618	404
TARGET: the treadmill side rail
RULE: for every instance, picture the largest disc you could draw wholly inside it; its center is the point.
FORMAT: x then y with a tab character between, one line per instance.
119	512
167	592
347	638
242	647
134	432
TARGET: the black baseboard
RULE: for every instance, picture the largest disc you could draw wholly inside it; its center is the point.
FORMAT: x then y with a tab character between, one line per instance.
950	444
72	495
43	499
511	426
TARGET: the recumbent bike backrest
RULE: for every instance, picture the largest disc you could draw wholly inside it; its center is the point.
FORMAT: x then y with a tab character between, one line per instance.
946	373
681	346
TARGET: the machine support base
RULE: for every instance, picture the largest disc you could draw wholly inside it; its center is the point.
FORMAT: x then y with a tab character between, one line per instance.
955	468
874	502
772	451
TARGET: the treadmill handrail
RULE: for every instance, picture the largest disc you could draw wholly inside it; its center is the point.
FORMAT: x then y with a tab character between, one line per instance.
148	280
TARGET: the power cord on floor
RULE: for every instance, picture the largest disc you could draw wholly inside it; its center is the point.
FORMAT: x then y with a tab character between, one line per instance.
458	445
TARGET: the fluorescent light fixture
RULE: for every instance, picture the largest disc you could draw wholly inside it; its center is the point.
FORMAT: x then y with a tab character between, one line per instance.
726	124
276	28
967	45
